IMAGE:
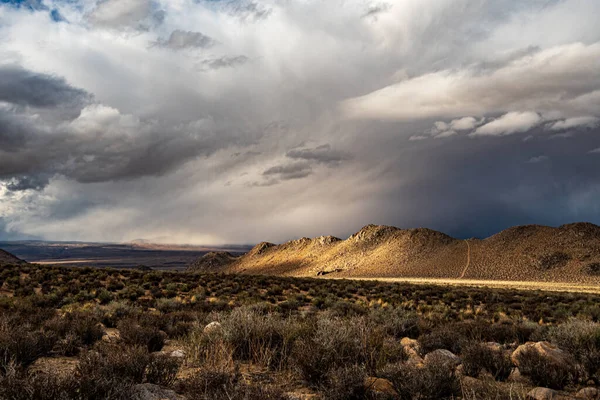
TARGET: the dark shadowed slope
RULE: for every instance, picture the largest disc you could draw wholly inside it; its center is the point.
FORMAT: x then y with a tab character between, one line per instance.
569	253
7	258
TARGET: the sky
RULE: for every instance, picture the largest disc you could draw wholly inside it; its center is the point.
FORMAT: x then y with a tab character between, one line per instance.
240	121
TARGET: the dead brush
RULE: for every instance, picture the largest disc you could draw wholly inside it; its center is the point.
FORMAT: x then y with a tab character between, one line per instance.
209	350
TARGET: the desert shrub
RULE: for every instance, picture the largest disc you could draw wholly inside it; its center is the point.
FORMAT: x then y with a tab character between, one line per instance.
211	351
582	340
104	296
17	384
69	345
478	357
436	380
116	311
114	363
263	339
207	384
545	372
134	334
162	369
346	383
79	327
397	322
336	342
168	305
23	347
442	337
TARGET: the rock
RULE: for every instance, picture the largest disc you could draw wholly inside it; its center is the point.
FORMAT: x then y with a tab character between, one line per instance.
442	356
412	345
214	328
111	335
541	393
590	393
412	349
149	391
178	353
380	386
516	376
548	350
472	386
300	396
494	346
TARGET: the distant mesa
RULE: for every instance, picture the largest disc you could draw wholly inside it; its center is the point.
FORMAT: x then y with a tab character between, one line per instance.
7	258
569	253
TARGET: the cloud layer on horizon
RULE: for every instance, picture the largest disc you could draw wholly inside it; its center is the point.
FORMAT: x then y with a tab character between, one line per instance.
197	121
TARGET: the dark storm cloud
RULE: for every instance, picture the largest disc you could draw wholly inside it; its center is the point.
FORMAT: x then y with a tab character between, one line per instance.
322	154
179	40
26	88
224	62
27	182
93	144
287	172
502	182
101	159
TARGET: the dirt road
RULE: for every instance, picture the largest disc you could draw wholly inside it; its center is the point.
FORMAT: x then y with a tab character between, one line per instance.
548	286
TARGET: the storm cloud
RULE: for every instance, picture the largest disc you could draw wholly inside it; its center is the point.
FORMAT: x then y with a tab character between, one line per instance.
241	121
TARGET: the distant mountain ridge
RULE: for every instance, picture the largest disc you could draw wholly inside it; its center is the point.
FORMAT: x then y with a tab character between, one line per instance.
569	253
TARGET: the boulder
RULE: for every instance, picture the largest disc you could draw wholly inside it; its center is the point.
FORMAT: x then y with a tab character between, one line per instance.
546	349
541	393
380	386
149	391
214	328
590	393
442	356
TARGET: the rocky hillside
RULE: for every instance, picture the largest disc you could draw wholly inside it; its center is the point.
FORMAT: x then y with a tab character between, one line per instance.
212	261
7	258
569	253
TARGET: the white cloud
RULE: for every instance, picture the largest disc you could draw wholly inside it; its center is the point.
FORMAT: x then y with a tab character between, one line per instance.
595	151
574	122
509	123
463	124
554	79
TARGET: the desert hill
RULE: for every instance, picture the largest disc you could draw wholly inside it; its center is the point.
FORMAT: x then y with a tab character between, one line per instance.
212	261
7	258
569	253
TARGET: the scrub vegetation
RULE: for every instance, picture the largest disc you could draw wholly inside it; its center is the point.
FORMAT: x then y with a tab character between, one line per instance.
83	333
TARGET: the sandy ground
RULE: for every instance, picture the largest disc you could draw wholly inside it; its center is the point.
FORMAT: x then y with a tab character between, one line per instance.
549	286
